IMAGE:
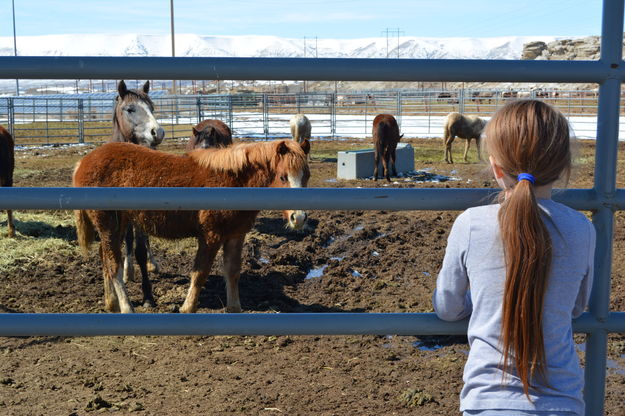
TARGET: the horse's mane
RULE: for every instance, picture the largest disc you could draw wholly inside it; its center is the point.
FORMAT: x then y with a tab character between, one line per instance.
240	156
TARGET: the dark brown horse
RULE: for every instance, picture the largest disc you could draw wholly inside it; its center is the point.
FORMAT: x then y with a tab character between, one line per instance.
7	164
134	122
385	138
210	133
280	163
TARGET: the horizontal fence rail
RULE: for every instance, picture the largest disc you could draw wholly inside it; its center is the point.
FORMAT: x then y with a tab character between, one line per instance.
257	324
312	69
175	199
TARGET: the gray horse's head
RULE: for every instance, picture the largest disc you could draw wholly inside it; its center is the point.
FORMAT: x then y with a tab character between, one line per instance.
133	118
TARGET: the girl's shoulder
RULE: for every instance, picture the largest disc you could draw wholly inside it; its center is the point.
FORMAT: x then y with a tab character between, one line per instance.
564	215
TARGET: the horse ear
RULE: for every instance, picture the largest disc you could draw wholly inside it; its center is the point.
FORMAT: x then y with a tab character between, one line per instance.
305	146
195	131
401	136
282	148
146	87
122	90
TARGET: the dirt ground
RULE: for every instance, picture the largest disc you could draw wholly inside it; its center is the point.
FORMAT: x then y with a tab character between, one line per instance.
346	261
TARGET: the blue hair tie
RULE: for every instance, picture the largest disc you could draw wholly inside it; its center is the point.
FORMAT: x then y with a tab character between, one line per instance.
527	177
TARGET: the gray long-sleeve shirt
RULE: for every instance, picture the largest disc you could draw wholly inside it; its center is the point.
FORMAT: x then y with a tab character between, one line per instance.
474	259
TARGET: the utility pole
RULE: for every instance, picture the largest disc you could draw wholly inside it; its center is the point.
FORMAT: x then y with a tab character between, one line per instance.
17	82
173	41
392	31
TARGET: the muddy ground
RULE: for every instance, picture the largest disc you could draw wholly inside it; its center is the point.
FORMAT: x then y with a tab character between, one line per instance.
346	261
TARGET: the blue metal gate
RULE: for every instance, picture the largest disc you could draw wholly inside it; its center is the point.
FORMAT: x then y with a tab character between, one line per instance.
603	199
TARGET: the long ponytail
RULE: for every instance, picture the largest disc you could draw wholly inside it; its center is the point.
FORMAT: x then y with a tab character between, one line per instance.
526	136
527	251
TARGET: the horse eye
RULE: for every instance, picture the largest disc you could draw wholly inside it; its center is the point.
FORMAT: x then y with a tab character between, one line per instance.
130	109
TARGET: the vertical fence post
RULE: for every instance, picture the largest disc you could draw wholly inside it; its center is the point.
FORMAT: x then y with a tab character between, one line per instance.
333	114
265	115
398	96
81	121
198	104
461	95
11	115
603	218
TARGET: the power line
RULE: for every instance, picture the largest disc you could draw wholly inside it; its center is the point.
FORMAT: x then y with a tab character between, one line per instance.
389	31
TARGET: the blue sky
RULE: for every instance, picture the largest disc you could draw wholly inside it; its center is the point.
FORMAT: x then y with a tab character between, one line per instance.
307	18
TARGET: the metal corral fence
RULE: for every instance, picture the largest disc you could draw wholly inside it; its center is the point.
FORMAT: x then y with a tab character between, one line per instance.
603	199
79	118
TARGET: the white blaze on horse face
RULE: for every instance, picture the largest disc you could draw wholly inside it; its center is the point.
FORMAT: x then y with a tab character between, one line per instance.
298	218
144	125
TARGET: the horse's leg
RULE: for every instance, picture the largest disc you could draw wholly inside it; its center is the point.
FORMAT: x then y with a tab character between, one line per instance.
110	300
232	272
110	250
466	149
479	152
448	156
129	267
142	260
385	160
152	263
204	257
393	155
11	227
376	160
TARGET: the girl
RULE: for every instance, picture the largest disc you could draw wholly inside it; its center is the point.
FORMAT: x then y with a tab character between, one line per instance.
529	263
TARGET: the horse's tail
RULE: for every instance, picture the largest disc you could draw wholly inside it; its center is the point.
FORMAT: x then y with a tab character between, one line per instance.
447	133
84	230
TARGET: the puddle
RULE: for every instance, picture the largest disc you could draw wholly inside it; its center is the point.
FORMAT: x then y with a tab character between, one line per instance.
318	272
332	180
355	273
375	253
426	274
264	260
426	347
337	258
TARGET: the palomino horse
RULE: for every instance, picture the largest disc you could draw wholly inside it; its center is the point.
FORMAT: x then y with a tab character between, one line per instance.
210	133
385	138
465	127
300	128
134	122
7	164
280	163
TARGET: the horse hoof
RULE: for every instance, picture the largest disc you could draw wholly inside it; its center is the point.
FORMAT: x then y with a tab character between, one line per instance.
149	303
153	267
233	309
187	309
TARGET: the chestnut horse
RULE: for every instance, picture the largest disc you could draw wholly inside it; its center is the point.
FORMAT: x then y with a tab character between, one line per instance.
7	164
134	122
210	133
385	138
281	163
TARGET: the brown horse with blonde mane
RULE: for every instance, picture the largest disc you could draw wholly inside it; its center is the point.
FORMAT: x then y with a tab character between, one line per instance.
281	163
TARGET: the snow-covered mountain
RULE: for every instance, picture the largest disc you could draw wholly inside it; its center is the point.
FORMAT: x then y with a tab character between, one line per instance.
507	47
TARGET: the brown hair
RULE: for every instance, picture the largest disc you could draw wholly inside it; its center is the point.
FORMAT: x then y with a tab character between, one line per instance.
526	136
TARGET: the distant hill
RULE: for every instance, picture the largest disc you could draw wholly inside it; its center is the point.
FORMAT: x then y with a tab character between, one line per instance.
507	47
